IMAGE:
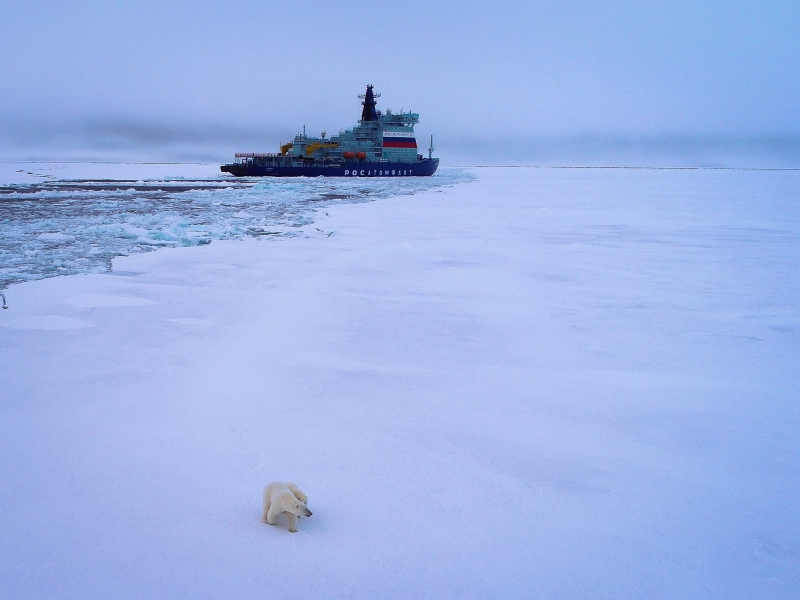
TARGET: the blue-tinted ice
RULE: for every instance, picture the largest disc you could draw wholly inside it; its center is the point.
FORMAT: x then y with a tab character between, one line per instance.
63	227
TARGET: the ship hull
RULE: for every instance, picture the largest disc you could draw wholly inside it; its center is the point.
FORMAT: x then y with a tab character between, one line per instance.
421	168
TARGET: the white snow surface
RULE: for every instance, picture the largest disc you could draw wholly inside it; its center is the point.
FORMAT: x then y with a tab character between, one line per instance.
546	383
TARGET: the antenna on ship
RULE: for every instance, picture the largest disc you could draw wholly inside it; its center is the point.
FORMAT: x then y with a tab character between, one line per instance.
430	149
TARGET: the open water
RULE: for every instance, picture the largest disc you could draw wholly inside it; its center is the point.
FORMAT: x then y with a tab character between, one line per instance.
67	226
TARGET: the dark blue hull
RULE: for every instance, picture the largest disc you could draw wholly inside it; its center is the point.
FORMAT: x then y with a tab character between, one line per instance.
421	168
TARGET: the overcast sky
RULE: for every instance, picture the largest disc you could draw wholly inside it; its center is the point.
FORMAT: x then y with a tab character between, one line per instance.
156	72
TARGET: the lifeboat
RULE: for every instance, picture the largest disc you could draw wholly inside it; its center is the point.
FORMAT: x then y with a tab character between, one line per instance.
349	154
361	155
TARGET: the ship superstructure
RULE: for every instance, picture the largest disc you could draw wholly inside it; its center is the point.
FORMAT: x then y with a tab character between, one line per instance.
381	145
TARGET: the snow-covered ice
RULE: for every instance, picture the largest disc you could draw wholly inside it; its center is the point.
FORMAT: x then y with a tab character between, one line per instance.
544	383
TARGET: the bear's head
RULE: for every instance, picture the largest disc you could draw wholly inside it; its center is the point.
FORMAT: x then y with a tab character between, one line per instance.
300	510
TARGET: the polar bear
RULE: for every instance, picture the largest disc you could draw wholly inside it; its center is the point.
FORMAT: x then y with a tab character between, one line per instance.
284	498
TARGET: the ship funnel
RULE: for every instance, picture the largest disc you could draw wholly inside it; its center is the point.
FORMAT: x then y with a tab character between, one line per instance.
369	113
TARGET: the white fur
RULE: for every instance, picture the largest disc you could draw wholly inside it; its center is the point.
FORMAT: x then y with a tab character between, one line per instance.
284	498
297	492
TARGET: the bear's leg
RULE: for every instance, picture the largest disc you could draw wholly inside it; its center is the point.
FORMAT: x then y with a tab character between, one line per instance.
298	493
292	518
266	507
272	514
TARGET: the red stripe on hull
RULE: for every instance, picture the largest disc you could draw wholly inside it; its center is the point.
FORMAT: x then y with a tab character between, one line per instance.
403	144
